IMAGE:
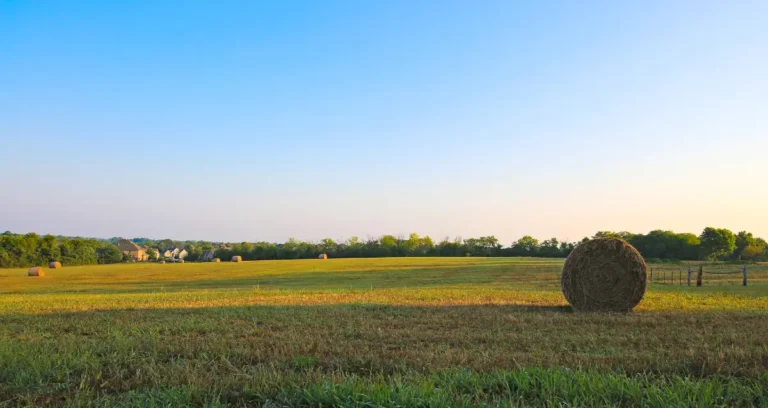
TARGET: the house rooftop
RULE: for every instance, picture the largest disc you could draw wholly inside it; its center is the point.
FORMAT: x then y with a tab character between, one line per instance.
125	245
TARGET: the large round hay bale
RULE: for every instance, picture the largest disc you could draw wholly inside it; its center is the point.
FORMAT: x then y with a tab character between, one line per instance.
162	262
216	260
604	275
322	256
36	271
237	258
55	265
181	261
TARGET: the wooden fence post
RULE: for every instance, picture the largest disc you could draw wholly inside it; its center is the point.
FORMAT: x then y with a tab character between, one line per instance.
651	273
689	275
745	275
698	277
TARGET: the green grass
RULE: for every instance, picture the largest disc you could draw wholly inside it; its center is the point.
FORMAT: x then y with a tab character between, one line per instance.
368	332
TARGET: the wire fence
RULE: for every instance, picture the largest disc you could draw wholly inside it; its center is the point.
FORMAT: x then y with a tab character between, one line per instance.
696	274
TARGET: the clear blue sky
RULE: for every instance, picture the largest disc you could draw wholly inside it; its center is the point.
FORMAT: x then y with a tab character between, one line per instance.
259	120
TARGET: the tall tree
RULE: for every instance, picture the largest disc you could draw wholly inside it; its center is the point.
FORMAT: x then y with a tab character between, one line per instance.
717	242
743	240
526	246
550	248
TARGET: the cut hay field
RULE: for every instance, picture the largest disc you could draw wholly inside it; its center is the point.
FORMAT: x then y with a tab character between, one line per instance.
371	332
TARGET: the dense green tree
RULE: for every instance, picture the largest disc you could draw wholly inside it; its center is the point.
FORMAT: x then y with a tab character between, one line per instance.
194	252
489	246
6	261
526	246
566	248
550	248
410	246
49	249
688	246
327	246
743	240
388	245
426	246
291	249
758	253
660	244
448	247
109	254
166	244
717	242
627	236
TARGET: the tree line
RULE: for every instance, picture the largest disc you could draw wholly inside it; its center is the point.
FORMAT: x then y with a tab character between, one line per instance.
18	250
22	250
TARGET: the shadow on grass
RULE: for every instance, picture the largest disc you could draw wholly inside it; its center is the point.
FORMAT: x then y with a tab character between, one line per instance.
361	308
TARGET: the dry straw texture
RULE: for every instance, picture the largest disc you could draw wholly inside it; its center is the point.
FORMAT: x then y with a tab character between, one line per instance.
162	262
36	271
322	256
181	261
216	260
54	265
604	275
237	258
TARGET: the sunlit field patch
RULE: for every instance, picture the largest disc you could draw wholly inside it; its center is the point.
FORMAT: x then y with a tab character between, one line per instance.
222	333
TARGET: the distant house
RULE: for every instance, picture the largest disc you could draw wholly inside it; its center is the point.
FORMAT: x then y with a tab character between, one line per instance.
147	250
175	253
207	256
134	251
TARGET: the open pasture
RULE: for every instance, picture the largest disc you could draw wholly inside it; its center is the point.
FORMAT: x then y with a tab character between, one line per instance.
438	331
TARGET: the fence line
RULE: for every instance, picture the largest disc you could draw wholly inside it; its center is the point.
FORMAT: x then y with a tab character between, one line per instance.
664	278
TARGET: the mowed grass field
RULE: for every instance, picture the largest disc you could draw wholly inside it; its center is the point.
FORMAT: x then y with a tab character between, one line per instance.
372	332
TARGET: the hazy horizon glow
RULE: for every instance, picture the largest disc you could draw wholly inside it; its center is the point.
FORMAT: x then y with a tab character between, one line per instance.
251	121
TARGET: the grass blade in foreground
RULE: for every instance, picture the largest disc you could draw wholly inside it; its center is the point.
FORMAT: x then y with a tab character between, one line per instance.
456	388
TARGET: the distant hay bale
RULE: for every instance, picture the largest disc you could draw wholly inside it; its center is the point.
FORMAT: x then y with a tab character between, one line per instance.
181	261
216	260
322	256
55	265
237	258
604	275
162	262
36	271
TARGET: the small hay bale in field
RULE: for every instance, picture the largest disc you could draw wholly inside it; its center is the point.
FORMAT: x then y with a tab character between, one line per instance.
237	258
36	271
181	261
55	265
604	275
162	262
322	256
216	260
